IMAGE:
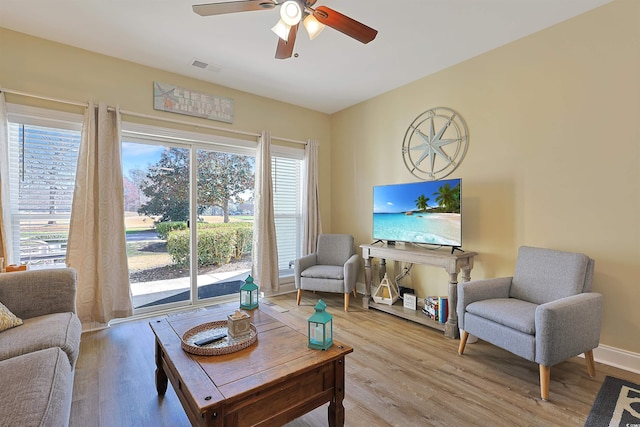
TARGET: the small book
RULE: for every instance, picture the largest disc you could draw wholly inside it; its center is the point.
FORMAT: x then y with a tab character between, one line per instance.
431	307
443	309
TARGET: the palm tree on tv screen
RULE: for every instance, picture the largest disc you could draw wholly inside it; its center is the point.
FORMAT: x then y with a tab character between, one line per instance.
421	203
448	198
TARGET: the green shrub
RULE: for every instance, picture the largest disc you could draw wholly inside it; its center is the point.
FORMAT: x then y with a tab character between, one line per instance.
178	247
163	228
217	243
244	239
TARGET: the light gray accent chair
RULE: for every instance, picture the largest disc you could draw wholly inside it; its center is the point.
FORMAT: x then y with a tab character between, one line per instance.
332	268
545	313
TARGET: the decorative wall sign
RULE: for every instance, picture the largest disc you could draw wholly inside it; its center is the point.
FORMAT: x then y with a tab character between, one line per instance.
435	143
167	97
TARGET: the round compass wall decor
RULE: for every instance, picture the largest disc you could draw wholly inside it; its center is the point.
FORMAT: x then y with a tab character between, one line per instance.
435	143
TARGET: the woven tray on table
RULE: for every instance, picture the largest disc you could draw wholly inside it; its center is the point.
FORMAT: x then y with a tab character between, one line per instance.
225	345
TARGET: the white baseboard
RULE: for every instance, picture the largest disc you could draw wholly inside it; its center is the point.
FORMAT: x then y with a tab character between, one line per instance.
284	288
93	326
618	358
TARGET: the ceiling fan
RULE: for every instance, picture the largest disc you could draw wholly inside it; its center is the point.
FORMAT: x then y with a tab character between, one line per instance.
292	12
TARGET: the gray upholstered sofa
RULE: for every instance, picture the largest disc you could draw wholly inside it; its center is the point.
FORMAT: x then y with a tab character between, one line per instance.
37	358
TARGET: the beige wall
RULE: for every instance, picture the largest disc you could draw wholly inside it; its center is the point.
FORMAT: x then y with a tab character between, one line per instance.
50	69
553	155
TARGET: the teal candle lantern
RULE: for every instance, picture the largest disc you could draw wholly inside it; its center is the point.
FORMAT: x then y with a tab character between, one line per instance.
249	294
320	328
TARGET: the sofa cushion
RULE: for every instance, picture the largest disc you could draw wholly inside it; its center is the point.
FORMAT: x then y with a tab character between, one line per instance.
34	293
53	330
8	319
35	389
510	312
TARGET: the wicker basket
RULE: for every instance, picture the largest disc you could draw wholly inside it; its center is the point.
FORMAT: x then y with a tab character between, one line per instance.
223	346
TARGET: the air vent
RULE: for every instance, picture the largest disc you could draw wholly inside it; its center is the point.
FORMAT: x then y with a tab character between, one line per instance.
199	64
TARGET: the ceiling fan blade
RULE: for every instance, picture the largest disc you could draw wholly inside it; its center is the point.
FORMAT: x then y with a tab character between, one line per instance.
285	48
344	24
233	7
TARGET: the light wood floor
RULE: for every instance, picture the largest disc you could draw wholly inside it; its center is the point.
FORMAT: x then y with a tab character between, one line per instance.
400	374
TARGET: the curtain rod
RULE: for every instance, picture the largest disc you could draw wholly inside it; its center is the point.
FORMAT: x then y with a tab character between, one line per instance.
147	116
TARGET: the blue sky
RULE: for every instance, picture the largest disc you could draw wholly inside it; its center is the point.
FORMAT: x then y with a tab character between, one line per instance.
139	156
401	197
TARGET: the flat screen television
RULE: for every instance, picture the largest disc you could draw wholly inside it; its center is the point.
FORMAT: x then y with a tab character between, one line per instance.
425	212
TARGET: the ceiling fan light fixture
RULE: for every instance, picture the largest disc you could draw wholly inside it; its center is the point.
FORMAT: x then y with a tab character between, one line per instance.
282	30
313	26
290	12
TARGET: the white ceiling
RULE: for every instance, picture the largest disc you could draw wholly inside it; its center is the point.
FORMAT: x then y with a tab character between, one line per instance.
415	38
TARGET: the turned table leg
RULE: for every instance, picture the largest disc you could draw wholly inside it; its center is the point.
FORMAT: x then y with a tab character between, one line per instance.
161	376
367	283
336	408
451	327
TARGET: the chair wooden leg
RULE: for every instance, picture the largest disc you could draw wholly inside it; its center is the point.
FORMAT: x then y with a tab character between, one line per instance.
591	364
299	296
355	293
463	342
346	301
545	377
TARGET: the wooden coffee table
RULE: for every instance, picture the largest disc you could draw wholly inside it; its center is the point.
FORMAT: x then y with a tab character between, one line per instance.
272	382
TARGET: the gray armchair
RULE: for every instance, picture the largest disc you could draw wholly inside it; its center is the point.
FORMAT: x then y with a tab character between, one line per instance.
545	313
332	268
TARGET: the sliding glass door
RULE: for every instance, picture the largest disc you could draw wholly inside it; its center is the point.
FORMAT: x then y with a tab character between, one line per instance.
224	200
157	210
189	218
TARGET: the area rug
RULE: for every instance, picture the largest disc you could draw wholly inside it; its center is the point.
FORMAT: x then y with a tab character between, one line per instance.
206	291
617	405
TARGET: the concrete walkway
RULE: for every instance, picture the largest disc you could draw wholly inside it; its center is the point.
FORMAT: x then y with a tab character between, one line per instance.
147	292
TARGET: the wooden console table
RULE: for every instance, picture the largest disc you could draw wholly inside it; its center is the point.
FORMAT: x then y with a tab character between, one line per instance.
453	263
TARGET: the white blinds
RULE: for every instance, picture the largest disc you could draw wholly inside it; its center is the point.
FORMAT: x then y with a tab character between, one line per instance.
286	175
42	173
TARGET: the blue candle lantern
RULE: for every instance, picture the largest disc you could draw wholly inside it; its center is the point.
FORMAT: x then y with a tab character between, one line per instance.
249	294
320	328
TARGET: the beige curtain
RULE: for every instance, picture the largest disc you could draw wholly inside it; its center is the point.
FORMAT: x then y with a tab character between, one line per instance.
311	199
97	246
265	251
5	219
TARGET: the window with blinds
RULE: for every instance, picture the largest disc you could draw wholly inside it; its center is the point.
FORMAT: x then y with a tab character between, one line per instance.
42	178
286	176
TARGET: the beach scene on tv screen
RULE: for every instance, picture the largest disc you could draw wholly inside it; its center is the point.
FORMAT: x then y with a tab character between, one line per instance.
421	212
